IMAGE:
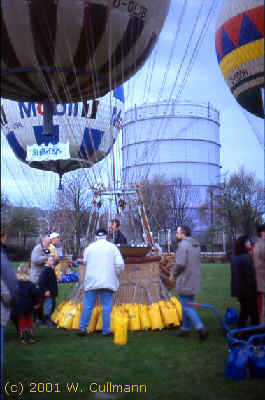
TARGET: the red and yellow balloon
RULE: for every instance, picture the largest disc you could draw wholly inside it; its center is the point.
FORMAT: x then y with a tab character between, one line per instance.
240	51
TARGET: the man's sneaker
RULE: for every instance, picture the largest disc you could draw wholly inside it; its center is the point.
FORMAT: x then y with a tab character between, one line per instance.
203	334
81	333
183	333
23	338
31	339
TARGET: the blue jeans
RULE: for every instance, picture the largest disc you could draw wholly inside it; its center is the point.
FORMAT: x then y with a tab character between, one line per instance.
90	298
189	314
47	306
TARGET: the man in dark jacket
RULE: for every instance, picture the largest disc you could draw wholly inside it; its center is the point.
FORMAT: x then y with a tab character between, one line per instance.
243	282
187	271
49	288
115	234
259	263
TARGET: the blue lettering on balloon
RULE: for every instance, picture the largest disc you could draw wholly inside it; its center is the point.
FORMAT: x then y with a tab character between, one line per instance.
71	105
27	109
62	112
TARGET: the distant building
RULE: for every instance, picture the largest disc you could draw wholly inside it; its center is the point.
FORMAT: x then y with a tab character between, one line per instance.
173	140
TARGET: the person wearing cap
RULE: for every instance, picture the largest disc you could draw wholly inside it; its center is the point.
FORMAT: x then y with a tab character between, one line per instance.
259	263
103	263
55	240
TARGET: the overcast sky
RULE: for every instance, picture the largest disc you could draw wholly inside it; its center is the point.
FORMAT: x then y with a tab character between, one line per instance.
239	143
205	83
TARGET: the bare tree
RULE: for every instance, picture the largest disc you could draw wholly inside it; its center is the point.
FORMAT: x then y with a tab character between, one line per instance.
237	204
72	211
182	199
167	204
6	210
23	223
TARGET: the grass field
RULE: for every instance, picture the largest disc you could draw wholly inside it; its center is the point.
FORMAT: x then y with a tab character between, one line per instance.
61	365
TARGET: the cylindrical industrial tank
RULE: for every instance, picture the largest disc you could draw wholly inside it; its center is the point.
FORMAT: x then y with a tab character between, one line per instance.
173	140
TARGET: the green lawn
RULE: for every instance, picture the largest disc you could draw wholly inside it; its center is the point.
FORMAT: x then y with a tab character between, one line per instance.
168	367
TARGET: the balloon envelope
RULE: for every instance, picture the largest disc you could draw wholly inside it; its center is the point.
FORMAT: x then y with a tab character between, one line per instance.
70	50
240	51
83	133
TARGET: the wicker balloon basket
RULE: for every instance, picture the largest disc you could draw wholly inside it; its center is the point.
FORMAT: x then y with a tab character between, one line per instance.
143	296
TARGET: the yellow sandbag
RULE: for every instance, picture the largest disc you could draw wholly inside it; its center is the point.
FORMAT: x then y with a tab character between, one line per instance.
144	317
69	317
174	313
63	312
76	319
92	326
54	316
155	316
177	304
164	313
169	313
60	312
121	325
134	318
65	318
99	319
114	311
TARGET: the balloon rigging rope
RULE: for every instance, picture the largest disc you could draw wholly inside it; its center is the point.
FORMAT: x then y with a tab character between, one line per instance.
173	47
197	48
186	50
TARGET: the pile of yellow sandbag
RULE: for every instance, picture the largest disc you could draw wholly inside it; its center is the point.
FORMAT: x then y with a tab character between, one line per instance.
156	316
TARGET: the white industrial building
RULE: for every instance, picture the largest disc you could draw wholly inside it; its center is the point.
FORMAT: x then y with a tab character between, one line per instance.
173	140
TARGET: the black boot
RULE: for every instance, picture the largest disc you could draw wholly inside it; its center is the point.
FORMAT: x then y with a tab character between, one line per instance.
22	335
30	336
203	334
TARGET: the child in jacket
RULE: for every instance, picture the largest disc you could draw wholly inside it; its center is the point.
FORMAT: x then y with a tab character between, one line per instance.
28	299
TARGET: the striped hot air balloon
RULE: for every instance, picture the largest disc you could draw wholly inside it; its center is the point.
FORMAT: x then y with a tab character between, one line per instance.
240	51
70	50
83	133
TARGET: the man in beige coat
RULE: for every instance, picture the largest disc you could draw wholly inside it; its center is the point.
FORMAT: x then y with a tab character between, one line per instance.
39	257
259	263
187	271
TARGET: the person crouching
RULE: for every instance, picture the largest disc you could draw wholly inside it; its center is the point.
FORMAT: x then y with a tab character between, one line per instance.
28	299
49	289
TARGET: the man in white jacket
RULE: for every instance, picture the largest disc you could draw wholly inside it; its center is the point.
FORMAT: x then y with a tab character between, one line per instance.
104	263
